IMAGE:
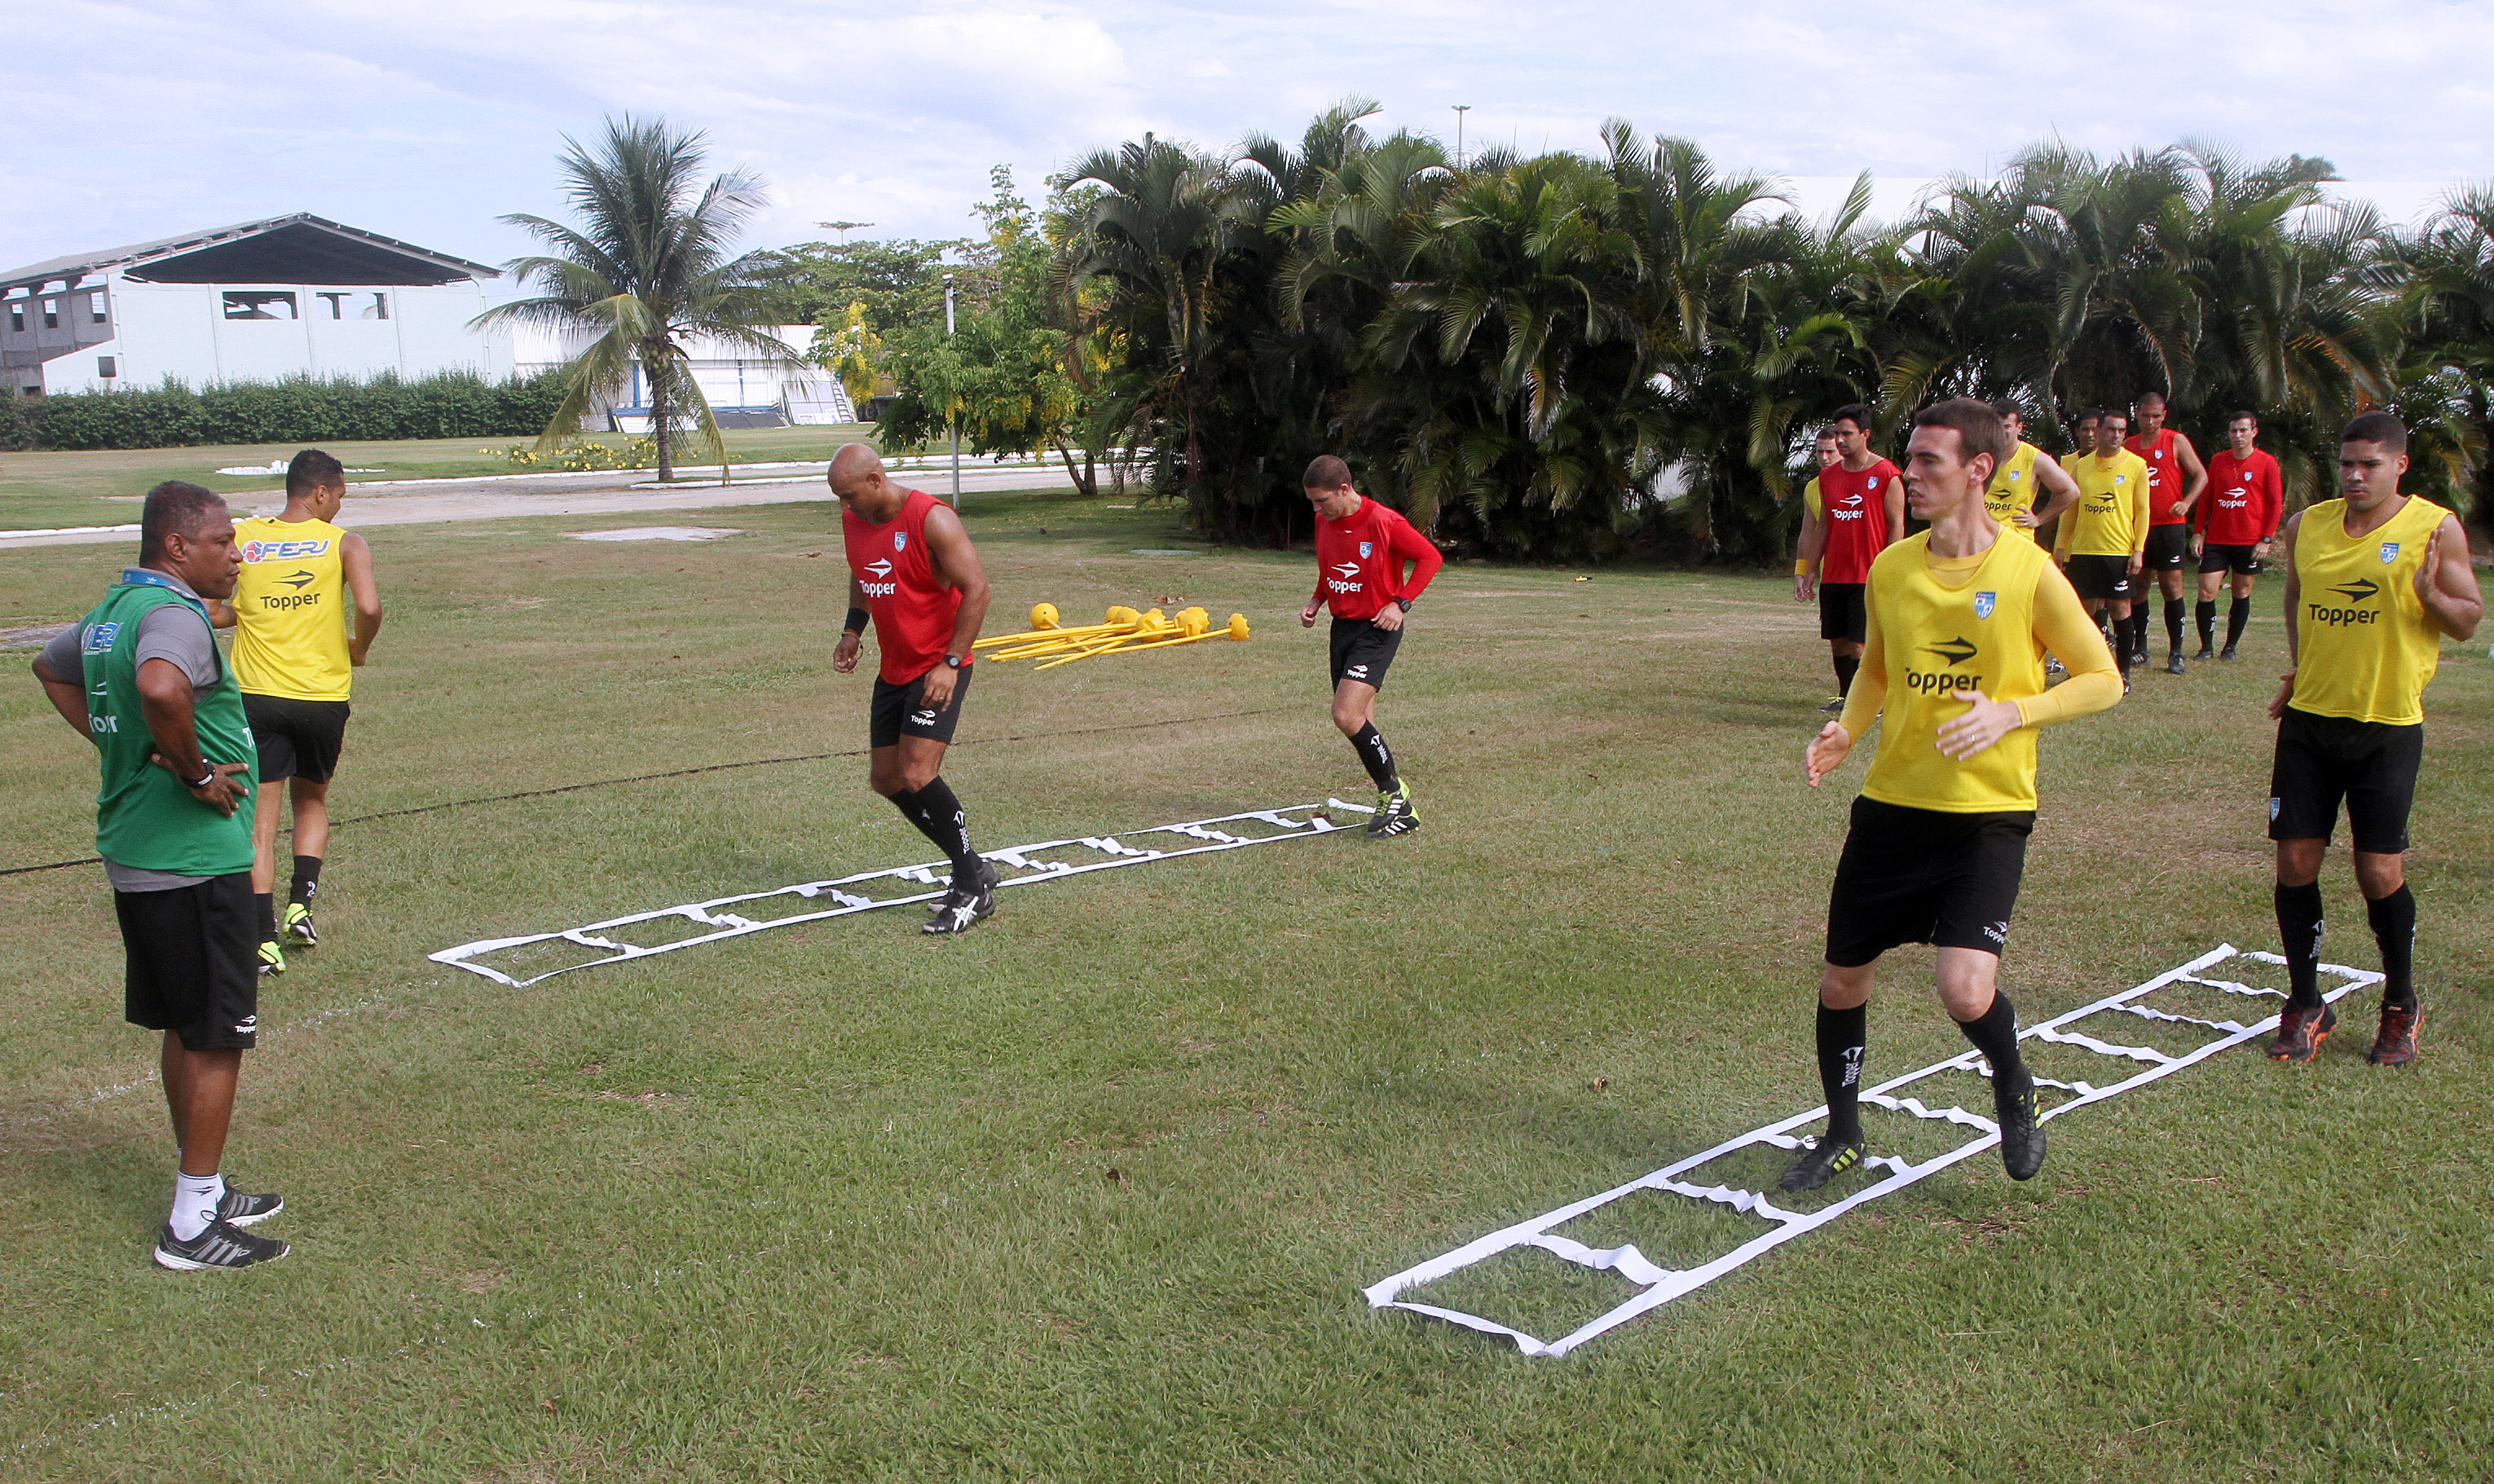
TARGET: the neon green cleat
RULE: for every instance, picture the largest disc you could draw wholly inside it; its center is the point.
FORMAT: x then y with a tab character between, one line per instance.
272	958
1394	814
298	927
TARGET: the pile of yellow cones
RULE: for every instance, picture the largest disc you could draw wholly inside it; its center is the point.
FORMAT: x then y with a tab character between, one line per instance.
1053	643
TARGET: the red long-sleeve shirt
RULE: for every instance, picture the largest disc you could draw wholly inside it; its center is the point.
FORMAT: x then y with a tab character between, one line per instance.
1360	558
2245	500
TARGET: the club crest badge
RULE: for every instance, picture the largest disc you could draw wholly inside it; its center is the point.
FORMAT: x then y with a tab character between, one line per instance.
1983	603
2389	552
2017	474
1365	547
900	540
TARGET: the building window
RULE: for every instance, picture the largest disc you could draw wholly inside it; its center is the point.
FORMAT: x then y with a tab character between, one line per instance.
95	308
104	368
18	316
337	303
51	314
378	309
259	303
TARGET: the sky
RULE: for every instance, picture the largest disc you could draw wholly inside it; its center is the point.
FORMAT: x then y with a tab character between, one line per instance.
428	122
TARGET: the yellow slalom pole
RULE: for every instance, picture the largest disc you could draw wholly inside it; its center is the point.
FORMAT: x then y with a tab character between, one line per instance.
1237	629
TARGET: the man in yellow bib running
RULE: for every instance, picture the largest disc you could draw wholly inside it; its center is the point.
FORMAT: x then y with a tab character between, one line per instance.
295	659
1960	621
2374	580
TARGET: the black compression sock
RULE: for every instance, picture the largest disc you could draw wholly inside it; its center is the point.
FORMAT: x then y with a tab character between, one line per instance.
2205	614
1847	666
2121	649
1995	1034
307	879
2299	929
266	902
1377	757
947	823
2139	627
2173	624
1840	1036
2236	617
2393	918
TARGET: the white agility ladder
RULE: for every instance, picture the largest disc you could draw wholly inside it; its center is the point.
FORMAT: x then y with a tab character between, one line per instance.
727	917
1662	1285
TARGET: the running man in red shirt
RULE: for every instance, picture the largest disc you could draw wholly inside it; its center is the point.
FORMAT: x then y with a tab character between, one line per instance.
1361	548
2234	525
2176	480
913	572
1862	506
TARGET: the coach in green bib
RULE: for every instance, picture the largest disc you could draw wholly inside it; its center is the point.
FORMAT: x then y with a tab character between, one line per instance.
140	677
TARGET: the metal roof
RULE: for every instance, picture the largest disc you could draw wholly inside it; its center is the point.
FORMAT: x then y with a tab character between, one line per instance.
77	265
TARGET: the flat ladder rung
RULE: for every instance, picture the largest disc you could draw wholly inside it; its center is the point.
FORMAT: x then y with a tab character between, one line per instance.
2084	1042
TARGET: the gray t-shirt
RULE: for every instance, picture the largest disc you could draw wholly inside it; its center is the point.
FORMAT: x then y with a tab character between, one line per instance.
172	631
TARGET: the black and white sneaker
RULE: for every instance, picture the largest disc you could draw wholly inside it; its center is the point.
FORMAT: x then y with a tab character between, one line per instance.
2022	1135
1821	1163
961	909
239	1209
1394	814
219	1244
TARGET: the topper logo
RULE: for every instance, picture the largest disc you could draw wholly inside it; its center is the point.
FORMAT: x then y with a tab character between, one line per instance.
879	567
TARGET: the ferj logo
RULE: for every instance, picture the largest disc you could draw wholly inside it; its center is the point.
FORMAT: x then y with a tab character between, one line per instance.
2389	552
900	540
1983	603
1366	547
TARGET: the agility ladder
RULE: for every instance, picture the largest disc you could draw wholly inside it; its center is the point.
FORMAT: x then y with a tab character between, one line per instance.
1662	1285
726	916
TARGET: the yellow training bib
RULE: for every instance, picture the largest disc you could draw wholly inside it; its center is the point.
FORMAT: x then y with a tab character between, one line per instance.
292	604
1941	633
2364	650
2111	517
2013	489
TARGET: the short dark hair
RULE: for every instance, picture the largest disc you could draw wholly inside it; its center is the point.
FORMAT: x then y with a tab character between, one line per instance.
312	469
2250	417
1824	436
2147	396
2089	415
2007	408
2378	428
1979	429
175	508
1326	471
1858	414
2104	414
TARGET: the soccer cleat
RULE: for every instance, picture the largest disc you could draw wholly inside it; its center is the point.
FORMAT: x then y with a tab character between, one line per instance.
1819	1163
1835	708
2138	656
1394	814
2022	1135
219	1244
2174	665
2205	654
2396	1044
298	927
272	958
2228	654
241	1210
2125	682
960	911
2300	1032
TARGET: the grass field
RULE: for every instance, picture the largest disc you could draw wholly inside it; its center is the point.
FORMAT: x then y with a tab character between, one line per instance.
1089	1193
38	490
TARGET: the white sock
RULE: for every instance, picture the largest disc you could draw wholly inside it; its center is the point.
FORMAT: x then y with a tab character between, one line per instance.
194	1204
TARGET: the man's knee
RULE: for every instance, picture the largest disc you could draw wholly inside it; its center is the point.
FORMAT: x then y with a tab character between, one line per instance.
2379	875
2298	861
1966	979
1844	987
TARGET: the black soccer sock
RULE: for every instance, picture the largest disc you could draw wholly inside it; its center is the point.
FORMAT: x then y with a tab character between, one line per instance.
2393	918
266	902
2120	642
2299	929
947	823
2174	624
2205	614
1842	1034
307	879
1377	757
2139	627
2236	617
1846	667
1995	1034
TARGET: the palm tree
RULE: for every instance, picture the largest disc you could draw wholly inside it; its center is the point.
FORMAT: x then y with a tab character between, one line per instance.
645	272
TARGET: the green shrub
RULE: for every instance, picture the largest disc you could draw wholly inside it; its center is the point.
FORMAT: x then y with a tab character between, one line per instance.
297	410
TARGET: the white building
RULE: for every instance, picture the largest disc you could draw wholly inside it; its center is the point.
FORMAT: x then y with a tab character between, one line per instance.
287	297
743	390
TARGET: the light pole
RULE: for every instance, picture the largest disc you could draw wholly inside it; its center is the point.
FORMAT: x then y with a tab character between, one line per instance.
1461	110
951	419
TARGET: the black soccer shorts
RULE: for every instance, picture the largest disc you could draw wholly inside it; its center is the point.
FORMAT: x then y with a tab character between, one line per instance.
902	710
2168	547
2237	560
1843	612
1359	650
2102	578
194	961
2321	760
297	738
1923	876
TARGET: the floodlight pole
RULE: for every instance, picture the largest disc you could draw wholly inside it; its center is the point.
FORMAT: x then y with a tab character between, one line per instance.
1461	110
951	419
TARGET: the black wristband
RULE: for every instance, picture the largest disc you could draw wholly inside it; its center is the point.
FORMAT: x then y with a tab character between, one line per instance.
856	621
1404	603
204	782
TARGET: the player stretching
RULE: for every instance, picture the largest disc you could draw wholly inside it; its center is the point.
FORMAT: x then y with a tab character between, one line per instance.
2104	535
2016	499
2235	524
2374	579
1958	622
1361	547
912	568
296	663
2176	481
1863	503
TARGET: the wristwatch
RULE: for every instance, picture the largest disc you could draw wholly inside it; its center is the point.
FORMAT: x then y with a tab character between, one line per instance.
952	661
1402	603
211	777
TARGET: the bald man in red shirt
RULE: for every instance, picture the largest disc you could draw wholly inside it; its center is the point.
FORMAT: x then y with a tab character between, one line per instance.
1363	549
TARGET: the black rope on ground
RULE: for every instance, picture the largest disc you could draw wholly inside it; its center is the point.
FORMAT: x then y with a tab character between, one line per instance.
687	772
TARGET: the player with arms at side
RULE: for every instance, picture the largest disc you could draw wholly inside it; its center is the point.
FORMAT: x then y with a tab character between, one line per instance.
1960	621
1813	541
915	576
1862	502
2103	540
2232	528
1362	548
2176	481
2374	580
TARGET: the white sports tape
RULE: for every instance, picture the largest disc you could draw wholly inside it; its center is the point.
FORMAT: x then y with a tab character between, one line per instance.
1662	1285
1297	822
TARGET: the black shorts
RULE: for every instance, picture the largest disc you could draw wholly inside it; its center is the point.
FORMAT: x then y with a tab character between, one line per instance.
901	710
2321	760
2168	547
1841	612
2101	577
1923	876
297	738
194	956
1362	652
2237	560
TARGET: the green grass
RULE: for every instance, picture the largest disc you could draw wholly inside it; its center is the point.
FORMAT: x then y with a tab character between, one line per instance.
40	489
838	1203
